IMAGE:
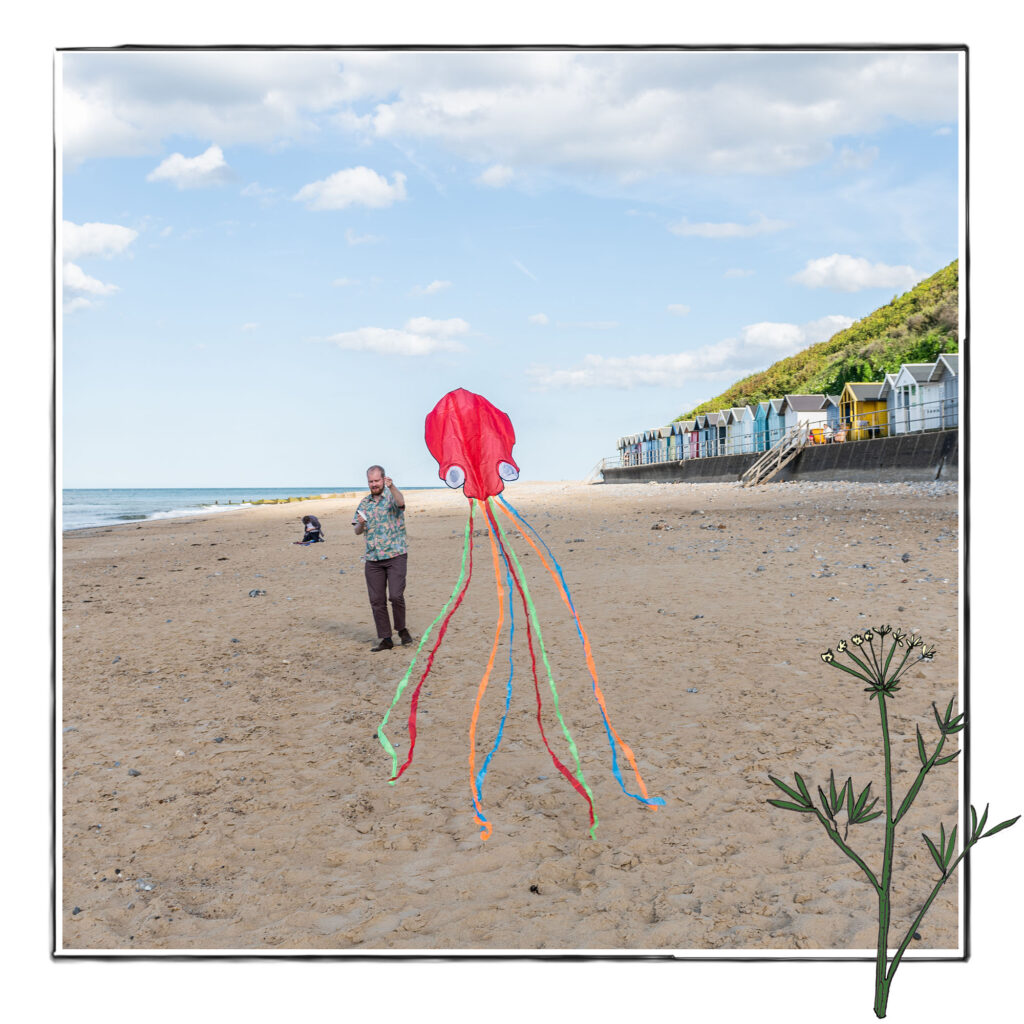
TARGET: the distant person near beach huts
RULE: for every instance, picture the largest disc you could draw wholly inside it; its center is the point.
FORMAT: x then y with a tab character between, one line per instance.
381	517
312	531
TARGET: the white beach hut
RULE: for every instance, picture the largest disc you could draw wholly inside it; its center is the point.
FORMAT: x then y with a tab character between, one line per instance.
805	409
740	430
918	403
947	374
887	394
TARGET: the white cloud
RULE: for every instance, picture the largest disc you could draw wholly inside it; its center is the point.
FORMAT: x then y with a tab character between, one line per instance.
354	186
264	196
209	168
538	318
844	273
678	308
432	288
621	114
421	336
522	269
76	280
353	239
738	272
727	229
78	302
496	176
757	347
95	239
857	159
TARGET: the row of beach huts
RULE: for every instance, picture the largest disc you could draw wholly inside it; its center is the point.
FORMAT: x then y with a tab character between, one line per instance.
921	396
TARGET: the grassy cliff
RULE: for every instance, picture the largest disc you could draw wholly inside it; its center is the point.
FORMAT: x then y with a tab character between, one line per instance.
914	328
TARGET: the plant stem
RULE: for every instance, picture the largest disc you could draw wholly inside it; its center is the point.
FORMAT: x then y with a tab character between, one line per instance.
884	909
833	834
917	920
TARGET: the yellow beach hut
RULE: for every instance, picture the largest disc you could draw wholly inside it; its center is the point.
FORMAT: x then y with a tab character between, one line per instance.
862	411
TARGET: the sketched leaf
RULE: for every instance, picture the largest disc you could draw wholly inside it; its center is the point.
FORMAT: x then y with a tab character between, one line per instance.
861	801
803	788
974	821
790	792
850	815
1001	826
946	760
920	747
865	814
984	818
948	856
832	790
935	854
790	807
824	804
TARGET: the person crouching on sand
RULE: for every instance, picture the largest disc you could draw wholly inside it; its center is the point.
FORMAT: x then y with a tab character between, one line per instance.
381	516
313	531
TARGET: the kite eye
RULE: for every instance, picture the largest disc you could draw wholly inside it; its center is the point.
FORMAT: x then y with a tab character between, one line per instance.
507	471
455	477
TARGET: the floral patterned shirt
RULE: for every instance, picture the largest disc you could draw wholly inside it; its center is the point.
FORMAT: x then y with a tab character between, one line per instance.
385	527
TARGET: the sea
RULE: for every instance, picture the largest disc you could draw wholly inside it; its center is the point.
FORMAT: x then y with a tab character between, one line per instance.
84	508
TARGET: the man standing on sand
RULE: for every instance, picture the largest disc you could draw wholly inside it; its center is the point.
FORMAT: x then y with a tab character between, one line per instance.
381	516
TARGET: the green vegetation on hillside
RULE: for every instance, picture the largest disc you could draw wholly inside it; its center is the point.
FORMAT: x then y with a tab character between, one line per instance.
913	328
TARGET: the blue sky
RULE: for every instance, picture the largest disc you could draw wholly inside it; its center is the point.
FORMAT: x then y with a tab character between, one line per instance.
274	264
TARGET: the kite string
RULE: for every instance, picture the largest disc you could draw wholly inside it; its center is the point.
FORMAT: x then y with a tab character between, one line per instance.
476	786
511	672
520	522
578	782
381	735
415	700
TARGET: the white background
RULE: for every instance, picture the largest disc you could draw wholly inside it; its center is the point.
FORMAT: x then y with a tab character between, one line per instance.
509	990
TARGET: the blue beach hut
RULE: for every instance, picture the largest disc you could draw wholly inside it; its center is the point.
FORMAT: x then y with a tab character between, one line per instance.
761	426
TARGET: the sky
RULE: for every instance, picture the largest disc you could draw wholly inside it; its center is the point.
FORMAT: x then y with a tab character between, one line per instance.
273	264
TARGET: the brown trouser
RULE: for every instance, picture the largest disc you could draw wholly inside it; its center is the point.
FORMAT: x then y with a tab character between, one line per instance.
386	579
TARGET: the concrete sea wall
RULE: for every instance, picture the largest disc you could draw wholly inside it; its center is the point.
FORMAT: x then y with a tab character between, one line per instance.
933	455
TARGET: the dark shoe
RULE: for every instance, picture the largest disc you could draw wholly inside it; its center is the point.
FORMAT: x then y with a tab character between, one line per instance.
405	636
385	645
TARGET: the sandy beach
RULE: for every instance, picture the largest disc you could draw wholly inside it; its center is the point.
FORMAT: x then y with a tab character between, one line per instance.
222	788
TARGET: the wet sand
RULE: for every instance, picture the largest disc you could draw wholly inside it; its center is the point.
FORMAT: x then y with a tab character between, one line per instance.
222	787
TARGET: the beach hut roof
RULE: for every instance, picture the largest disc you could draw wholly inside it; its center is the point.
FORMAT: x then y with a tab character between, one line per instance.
806	403
741	412
865	391
689	425
665	431
778	404
921	372
888	384
949	360
832	399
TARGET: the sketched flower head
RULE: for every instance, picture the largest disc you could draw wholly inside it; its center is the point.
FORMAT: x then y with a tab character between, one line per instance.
857	639
841	646
828	656
898	637
915	641
928	653
868	635
883	630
